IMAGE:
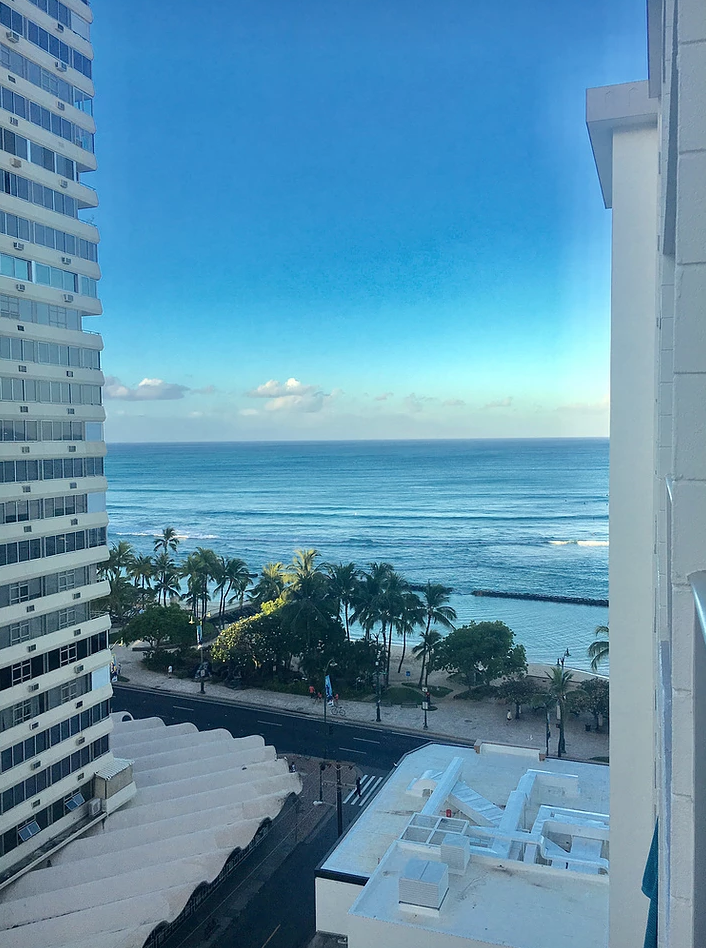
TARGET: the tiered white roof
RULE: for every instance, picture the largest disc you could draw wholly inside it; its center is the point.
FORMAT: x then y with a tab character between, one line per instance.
200	796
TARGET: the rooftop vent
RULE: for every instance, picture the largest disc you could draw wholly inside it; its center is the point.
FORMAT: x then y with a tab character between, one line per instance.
424	883
455	851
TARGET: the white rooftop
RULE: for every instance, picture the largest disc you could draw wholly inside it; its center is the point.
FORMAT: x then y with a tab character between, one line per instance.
499	847
200	796
494	773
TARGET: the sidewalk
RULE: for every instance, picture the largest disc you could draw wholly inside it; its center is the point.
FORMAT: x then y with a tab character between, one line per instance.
454	719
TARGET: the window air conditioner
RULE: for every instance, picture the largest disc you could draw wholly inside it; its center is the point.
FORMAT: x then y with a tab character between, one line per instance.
78	669
12	36
64	184
68	298
60	106
80	740
15	162
20	287
35	765
66	259
62	67
18	245
14	121
95	806
59	27
34	687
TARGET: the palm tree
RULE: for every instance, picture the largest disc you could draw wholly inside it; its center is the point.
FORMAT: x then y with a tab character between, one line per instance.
270	585
367	601
413	614
393	607
598	651
197	569
120	557
141	571
303	563
428	645
168	541
344	585
166	577
239	577
559	682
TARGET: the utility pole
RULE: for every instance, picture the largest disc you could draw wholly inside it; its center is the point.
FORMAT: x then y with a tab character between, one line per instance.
339	803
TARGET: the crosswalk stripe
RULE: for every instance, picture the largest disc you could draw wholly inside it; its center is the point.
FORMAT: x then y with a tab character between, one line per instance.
365	782
370	792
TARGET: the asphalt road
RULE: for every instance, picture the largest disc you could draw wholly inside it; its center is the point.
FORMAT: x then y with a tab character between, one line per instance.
289	733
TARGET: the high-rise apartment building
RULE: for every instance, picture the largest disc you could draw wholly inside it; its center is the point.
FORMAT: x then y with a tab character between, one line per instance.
54	657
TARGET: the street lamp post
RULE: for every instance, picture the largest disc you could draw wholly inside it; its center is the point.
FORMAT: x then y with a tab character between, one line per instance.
425	706
202	648
377	689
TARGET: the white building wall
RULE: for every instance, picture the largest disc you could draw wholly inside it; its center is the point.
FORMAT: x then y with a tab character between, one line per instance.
333	900
632	525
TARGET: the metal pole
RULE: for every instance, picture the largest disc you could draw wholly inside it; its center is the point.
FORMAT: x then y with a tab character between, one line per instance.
322	767
339	803
426	726
549	730
203	676
377	691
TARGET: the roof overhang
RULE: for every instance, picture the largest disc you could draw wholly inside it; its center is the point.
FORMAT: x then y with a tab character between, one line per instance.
616	108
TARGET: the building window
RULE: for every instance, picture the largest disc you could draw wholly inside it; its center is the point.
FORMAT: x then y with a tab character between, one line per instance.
19	633
67	654
22	671
69	691
19	592
22	712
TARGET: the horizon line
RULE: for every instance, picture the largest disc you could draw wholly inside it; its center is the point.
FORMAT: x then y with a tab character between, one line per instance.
370	440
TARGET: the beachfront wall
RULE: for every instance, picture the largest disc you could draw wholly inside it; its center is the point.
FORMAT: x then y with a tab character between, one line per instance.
623	125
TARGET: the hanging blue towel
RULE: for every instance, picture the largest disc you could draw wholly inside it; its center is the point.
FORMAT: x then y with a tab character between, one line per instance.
650	881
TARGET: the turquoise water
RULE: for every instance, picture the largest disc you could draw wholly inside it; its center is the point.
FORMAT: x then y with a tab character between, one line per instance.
526	516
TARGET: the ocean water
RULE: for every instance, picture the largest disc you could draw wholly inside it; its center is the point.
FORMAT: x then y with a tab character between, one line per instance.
521	515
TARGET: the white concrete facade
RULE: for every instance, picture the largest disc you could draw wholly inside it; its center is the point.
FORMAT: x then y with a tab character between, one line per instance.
660	573
54	657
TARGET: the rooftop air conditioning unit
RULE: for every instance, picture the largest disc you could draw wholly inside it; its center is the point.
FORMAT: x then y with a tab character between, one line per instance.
18	245
68	298
12	36
95	806
15	162
62	67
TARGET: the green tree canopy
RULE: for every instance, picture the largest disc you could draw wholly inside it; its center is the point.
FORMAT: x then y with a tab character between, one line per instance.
591	695
482	652
518	690
161	627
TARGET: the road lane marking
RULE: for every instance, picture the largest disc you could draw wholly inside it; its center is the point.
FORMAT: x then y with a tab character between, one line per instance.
270	723
182	707
352	750
272	935
363	781
370	792
365	740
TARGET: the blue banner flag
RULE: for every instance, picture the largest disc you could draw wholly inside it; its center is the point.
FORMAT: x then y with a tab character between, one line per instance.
199	636
329	689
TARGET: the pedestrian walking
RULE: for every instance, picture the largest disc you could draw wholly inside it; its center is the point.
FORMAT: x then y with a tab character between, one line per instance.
508	717
312	692
170	670
357	786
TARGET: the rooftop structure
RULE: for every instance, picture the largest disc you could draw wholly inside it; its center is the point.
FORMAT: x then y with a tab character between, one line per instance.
203	799
483	845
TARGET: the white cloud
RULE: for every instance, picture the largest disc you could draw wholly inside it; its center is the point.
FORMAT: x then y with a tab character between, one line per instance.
454	402
415	403
298	403
149	390
384	397
502	403
248	412
273	389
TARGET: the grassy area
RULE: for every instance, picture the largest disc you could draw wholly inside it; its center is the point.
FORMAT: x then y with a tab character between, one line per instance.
398	694
479	693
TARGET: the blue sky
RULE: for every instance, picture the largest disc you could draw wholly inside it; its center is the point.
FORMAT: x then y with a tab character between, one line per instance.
360	219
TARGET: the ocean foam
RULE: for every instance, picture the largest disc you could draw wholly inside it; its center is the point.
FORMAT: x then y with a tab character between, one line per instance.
579	543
